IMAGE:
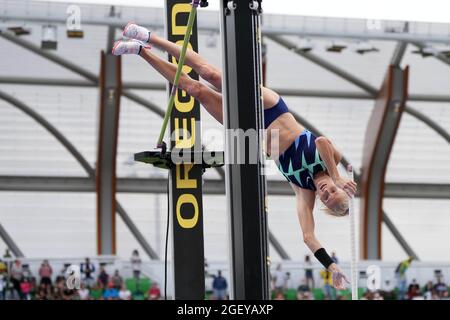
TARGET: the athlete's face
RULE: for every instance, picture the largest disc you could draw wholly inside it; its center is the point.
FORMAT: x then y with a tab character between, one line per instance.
331	196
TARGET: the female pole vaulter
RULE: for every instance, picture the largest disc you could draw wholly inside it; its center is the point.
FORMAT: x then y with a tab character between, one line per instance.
309	163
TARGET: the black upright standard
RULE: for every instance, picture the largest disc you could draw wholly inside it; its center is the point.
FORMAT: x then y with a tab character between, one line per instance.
186	178
245	185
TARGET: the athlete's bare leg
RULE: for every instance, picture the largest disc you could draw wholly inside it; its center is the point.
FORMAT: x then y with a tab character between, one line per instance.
205	70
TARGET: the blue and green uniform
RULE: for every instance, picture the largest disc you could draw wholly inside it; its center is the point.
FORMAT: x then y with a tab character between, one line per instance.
301	160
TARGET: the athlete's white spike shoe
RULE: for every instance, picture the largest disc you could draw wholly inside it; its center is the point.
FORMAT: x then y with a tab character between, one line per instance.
133	31
128	47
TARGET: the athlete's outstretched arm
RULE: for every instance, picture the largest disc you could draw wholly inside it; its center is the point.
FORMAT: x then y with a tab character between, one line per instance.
305	206
305	200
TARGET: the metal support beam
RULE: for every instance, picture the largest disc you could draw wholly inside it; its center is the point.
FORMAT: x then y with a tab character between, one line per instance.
213	186
399	53
350	95
324	64
110	38
242	81
398	236
428	121
354	80
77	155
51	129
380	135
422	45
10	243
136	232
331	28
109	115
49	56
302	93
400	49
278	248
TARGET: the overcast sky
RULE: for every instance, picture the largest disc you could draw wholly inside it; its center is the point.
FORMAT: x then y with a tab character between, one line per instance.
405	10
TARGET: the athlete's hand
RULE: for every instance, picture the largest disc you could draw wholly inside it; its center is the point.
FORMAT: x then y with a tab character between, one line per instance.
339	278
349	186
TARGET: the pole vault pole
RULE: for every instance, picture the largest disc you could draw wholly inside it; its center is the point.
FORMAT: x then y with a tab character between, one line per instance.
353	244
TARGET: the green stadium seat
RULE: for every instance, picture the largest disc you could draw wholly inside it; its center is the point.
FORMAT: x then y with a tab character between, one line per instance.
344	293
318	294
361	292
143	285
131	285
290	294
139	296
96	293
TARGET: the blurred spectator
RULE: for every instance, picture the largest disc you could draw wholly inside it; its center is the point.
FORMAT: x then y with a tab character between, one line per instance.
334	257
327	277
279	296
96	289
428	291
16	274
25	288
154	293
440	288
103	277
279	280
68	294
63	272
3	285
58	289
304	291
44	292
388	285
309	272
60	276
220	287
206	267
33	287
83	293
26	272
111	293
377	296
413	290
3	280
288	282
45	272
387	290
7	254
124	293
136	264
400	275
87	269
117	280
368	295
3	267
